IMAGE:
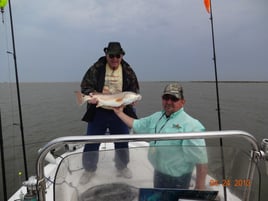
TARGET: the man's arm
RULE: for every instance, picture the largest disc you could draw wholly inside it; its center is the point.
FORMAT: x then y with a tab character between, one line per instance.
201	173
125	118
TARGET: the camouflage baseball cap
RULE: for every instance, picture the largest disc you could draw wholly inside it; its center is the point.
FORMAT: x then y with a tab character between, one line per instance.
174	89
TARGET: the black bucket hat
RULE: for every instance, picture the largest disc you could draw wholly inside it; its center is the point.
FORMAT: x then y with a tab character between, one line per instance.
114	48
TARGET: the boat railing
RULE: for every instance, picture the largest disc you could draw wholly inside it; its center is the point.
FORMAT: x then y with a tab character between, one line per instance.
256	152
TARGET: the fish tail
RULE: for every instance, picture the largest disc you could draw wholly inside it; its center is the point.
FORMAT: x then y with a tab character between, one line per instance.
80	98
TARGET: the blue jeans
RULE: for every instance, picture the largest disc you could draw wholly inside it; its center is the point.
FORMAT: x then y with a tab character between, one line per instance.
166	181
103	120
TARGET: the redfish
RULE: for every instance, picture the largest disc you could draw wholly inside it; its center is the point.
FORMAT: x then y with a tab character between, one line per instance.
109	100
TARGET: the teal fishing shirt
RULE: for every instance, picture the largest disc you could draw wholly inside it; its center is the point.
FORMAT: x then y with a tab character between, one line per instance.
173	157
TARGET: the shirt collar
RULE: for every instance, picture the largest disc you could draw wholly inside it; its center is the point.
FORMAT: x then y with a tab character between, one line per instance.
174	113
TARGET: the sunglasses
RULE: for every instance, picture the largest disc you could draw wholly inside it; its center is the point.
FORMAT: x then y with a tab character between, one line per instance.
167	97
111	56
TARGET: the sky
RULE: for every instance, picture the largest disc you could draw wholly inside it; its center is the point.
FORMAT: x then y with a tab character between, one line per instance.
58	40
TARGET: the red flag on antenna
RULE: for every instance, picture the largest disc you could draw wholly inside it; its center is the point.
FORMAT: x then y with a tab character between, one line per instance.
207	5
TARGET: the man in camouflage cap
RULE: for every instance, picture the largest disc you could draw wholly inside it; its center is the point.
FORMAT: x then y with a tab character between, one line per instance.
173	160
110	74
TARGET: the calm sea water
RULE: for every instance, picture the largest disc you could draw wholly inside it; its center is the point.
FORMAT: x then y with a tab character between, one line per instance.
49	111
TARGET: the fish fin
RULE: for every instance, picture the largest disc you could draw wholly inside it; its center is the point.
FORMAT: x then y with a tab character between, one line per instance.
80	98
119	99
99	105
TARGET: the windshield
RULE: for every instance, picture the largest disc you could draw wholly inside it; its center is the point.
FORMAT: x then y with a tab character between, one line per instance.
227	170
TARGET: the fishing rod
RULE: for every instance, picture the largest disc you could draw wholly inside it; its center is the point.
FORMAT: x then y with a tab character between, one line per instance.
215	69
208	6
18	91
3	159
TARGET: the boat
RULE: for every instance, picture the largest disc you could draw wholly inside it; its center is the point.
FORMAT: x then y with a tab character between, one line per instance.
57	178
59	168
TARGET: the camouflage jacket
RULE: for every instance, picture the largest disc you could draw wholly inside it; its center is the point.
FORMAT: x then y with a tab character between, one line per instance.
93	81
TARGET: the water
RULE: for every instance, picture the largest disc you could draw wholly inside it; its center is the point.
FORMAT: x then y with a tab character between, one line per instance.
50	111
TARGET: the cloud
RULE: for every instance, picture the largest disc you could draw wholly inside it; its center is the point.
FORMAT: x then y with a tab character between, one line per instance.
59	39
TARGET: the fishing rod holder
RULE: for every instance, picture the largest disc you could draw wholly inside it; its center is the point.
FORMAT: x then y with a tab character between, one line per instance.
264	153
31	186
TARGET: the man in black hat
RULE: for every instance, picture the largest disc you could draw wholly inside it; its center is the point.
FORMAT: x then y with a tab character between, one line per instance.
110	74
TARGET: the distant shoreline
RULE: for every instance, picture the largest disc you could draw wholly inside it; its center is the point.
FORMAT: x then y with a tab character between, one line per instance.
231	81
207	81
200	81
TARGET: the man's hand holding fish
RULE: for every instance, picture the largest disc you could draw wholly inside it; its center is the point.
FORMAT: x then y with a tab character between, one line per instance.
93	100
119	112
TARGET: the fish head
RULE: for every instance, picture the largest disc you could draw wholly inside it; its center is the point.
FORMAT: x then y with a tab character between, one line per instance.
131	97
138	97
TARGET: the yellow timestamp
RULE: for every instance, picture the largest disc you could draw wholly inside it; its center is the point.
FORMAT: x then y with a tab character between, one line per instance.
231	182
